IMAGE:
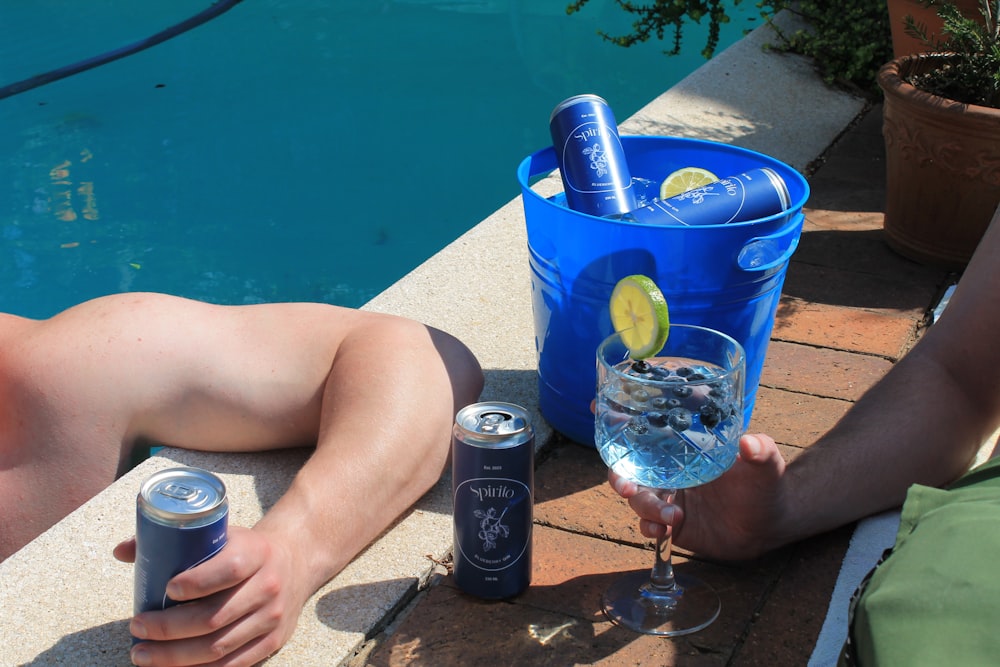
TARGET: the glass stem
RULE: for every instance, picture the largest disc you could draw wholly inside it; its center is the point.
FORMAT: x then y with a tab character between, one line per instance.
662	576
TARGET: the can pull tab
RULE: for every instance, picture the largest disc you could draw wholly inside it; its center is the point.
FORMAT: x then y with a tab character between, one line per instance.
189	495
490	422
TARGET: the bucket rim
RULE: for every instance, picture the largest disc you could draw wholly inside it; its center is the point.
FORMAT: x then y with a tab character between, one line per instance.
525	174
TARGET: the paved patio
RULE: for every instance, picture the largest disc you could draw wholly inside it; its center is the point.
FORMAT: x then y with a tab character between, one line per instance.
850	308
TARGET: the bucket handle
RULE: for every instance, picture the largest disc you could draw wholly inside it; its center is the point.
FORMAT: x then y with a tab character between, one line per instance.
537	164
765	253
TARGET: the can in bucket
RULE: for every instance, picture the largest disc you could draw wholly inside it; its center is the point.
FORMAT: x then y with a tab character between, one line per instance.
182	516
752	195
592	164
493	469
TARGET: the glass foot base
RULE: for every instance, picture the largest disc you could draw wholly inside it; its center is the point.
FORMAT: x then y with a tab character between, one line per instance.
632	603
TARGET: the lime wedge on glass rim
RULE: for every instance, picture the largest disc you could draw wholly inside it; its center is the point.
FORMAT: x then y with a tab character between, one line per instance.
639	314
684	179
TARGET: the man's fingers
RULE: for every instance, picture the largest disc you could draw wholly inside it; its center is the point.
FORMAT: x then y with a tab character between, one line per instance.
758	448
239	644
125	551
238	561
652	530
652	508
622	486
654	513
233	627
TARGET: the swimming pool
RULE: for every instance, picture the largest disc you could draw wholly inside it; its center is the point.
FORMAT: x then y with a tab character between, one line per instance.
287	150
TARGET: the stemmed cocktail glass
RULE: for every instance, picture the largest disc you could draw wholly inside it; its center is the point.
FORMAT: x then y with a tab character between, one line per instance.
668	422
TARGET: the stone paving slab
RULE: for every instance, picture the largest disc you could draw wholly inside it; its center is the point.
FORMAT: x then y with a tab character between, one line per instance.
758	99
65	601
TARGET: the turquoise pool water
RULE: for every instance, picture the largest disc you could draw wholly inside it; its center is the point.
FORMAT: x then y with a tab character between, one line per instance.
287	150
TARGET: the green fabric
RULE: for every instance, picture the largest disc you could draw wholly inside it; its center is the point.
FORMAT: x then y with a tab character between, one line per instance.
935	600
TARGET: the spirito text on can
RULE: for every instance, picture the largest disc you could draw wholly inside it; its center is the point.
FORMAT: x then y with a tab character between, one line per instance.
591	159
754	194
493	463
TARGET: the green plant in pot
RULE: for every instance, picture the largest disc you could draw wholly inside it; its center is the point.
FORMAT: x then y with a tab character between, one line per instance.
905	41
942	137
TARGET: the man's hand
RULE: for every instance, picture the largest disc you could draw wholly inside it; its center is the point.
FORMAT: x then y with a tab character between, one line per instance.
731	518
236	609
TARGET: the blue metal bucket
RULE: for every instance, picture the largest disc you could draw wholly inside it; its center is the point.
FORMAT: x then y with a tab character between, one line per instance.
727	277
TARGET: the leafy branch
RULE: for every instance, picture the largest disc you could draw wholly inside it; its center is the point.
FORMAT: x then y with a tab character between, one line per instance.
656	18
848	40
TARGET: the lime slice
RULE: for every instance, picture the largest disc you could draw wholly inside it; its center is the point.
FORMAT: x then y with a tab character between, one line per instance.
639	313
687	178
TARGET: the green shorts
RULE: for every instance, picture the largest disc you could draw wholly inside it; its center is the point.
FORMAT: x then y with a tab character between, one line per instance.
934	599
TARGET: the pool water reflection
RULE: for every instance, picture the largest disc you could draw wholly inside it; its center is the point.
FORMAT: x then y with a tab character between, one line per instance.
306	150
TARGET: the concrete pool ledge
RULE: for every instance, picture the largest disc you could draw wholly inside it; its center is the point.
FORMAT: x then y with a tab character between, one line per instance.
63	598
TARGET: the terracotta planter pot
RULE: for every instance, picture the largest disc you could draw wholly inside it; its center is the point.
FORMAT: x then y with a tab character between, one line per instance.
942	168
903	44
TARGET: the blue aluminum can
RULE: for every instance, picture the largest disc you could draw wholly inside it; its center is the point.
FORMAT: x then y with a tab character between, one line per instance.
591	160
182	516
493	473
752	195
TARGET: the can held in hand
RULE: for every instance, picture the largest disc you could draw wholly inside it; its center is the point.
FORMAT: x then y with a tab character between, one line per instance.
493	479
182	516
752	195
591	159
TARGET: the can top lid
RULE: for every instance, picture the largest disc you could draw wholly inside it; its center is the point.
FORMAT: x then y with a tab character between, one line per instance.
570	101
779	186
493	419
183	493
